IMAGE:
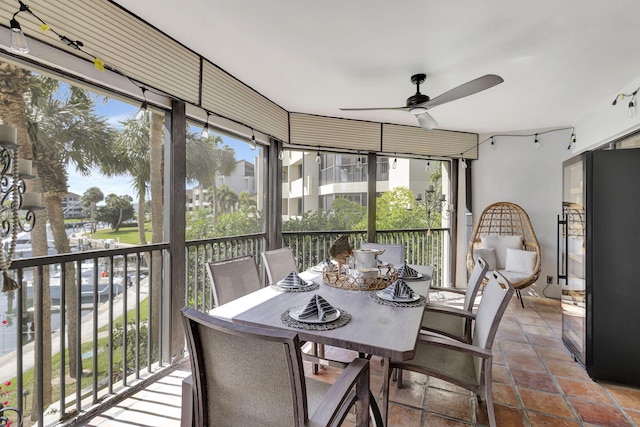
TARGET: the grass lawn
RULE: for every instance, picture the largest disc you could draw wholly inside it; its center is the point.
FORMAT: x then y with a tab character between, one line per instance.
128	235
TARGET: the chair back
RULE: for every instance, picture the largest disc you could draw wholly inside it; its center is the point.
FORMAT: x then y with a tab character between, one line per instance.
243	375
473	284
279	263
495	299
233	278
393	254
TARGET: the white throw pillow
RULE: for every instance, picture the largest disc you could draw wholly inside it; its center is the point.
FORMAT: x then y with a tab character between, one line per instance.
488	254
500	244
519	261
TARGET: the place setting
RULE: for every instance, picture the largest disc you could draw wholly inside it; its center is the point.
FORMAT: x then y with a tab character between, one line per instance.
292	282
408	273
398	294
318	314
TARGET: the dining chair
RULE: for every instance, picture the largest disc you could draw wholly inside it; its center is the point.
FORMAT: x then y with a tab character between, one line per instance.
233	278
250	376
393	254
452	321
465	365
278	263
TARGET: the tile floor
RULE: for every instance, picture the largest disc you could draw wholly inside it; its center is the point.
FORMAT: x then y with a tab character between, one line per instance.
536	383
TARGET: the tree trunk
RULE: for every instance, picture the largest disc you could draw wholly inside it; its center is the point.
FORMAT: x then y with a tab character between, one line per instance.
142	207
157	207
40	248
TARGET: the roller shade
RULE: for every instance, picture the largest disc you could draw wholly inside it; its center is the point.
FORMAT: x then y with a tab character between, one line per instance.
116	37
225	95
321	131
438	143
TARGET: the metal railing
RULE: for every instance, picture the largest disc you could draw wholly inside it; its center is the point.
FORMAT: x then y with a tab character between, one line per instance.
102	311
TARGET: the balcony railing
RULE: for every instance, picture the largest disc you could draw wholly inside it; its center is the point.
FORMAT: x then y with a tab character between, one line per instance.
117	338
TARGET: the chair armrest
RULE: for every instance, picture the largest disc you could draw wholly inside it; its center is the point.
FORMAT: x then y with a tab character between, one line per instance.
455	311
455	345
443	289
337	401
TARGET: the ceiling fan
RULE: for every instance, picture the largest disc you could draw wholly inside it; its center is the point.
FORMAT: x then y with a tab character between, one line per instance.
418	104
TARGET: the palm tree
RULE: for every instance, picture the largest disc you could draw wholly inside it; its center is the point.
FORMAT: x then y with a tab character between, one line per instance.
64	130
227	199
89	199
205	161
140	154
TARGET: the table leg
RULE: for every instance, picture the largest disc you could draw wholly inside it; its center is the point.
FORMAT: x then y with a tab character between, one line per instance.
385	389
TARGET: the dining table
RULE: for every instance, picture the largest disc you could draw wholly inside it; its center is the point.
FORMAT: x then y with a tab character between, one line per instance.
374	326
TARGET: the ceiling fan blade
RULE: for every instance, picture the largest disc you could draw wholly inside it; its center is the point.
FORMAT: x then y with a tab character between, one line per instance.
379	108
426	122
466	89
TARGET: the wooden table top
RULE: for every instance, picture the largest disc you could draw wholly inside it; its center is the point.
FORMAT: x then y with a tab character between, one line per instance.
374	328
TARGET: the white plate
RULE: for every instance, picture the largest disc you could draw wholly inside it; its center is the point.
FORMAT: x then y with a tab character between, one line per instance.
307	283
294	312
418	277
382	295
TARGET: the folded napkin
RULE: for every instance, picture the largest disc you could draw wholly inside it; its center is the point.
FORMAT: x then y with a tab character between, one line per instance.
317	306
292	280
406	271
398	290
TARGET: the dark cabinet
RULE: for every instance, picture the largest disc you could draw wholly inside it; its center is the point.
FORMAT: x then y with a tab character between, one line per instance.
599	263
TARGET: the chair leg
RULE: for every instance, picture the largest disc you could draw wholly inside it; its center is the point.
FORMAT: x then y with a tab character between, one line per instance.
399	375
519	295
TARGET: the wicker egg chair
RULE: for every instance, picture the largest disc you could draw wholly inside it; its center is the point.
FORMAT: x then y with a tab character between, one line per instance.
507	219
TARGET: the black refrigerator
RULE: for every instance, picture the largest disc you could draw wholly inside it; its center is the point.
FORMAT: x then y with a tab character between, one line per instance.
599	263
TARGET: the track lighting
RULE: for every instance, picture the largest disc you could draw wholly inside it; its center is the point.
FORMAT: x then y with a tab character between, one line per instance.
492	145
536	143
464	163
394	165
205	129
631	110
318	158
253	140
281	155
142	112
359	163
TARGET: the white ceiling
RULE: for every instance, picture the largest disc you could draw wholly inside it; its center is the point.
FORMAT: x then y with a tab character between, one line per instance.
560	59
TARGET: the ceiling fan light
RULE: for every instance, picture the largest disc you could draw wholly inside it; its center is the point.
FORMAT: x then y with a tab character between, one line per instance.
418	110
426	121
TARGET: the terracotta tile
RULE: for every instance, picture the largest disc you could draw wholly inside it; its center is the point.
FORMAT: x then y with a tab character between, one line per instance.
450	404
511	335
402	416
567	369
550	353
411	394
627	397
542	341
440	421
534	380
504	393
550	403
529	363
585	390
500	374
544	331
544	420
516	348
441	384
505	415
537	321
605	415
634	415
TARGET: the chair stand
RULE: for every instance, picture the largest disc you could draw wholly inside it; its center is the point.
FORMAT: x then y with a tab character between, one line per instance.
519	295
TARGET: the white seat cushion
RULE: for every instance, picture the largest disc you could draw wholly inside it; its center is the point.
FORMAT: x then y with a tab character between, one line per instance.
500	244
519	261
488	254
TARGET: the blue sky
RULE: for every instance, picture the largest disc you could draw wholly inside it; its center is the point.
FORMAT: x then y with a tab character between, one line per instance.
115	112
